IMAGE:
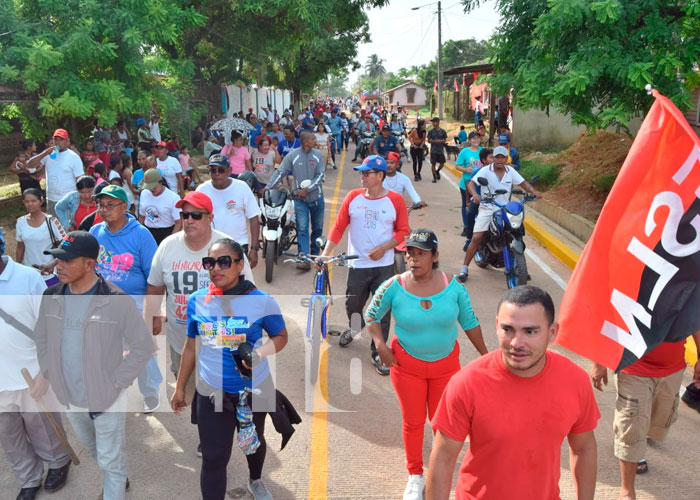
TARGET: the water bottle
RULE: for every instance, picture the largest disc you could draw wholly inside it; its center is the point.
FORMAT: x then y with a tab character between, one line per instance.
248	440
54	155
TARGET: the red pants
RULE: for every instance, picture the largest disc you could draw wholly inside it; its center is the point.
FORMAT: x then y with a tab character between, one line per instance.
419	385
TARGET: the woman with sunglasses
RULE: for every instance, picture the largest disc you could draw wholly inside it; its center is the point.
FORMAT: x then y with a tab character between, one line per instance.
427	306
227	314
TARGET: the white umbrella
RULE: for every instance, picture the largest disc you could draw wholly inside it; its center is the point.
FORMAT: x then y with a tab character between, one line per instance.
228	124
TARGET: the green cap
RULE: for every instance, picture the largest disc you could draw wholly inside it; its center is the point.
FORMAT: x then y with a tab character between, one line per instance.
114	192
151	178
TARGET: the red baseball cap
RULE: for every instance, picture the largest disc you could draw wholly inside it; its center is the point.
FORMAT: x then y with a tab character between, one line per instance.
61	132
161	144
393	156
196	199
250	110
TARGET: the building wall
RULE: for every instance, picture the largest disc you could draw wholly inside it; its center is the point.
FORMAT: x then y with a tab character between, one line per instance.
534	130
400	95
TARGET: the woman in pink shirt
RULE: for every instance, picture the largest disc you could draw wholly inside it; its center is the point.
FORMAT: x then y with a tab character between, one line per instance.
238	155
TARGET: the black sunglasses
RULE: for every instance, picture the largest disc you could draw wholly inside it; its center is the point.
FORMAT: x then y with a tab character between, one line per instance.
224	262
218	170
195	215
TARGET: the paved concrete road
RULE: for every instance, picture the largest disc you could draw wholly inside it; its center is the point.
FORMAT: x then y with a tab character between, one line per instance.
351	446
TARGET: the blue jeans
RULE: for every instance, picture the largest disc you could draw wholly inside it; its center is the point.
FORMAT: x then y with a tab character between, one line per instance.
465	199
471	218
304	211
338	145
105	438
150	379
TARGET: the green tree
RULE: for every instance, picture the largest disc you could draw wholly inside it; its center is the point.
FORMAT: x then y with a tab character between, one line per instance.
91	59
334	85
592	59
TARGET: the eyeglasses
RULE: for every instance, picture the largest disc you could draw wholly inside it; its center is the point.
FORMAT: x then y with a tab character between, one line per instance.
195	215
365	173
108	206
224	262
218	170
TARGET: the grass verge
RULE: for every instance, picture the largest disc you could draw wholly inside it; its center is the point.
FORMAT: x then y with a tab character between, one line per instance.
547	172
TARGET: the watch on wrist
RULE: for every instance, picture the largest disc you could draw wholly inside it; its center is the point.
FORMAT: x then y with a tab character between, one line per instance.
255	247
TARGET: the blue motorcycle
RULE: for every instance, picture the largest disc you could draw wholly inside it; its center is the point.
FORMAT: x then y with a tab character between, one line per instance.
503	245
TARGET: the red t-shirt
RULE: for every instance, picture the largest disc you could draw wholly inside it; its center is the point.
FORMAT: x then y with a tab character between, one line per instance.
82	212
515	425
662	361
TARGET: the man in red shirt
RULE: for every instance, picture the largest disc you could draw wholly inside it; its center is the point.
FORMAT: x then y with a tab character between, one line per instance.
646	405
378	220
516	411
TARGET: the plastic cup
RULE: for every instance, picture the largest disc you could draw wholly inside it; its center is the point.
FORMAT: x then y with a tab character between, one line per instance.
54	155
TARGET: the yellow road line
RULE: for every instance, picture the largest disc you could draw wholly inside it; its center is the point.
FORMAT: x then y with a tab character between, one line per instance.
318	465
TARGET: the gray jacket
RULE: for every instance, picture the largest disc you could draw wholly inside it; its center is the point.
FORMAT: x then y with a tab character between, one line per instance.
302	166
112	323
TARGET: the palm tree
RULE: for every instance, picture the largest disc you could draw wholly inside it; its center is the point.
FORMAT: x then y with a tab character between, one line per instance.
374	68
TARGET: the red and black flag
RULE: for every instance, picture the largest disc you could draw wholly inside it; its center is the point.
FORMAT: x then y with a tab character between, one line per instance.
637	283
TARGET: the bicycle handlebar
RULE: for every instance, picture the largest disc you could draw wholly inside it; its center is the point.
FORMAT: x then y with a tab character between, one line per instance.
311	259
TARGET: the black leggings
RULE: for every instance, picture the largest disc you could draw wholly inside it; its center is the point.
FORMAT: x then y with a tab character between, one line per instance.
216	430
417	157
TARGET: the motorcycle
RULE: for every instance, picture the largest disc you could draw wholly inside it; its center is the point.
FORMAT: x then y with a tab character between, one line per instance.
400	138
503	245
400	249
278	226
366	139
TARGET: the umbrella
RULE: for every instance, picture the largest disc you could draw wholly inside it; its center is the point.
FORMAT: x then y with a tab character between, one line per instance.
228	124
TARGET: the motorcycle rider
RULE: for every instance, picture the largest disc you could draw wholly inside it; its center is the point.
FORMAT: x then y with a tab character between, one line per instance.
384	143
365	126
499	176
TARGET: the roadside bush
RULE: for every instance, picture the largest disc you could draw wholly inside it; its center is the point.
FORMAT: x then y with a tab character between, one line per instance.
548	173
604	183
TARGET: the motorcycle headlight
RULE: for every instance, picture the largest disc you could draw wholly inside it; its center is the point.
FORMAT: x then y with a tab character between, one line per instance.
516	220
273	212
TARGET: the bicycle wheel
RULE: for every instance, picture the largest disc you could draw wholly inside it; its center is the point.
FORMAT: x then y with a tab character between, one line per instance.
315	323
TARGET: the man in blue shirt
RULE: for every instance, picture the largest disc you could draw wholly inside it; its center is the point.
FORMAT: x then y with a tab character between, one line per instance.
308	123
253	134
335	123
384	143
290	141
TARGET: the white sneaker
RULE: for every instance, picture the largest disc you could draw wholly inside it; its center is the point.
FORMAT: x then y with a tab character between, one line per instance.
258	490
415	488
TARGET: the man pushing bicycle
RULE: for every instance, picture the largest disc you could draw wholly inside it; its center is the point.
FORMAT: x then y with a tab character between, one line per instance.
378	221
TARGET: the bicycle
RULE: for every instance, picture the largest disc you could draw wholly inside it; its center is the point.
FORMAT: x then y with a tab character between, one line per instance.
316	327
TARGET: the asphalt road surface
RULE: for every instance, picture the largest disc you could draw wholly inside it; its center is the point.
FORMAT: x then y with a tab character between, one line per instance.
349	443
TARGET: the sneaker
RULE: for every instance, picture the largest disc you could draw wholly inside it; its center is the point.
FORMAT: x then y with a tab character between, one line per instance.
151	404
346	337
463	274
199	450
304	266
415	488
379	366
464	232
258	490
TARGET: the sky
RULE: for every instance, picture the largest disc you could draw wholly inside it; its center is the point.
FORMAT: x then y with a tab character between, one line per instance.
405	37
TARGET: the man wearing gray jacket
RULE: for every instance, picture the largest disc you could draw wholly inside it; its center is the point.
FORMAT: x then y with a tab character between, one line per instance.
84	326
307	167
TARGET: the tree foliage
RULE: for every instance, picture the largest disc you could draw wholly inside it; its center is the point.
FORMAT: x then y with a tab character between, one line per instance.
88	58
592	59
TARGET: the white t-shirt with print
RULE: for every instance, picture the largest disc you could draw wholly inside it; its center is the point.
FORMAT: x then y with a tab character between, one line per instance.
22	288
61	174
233	206
179	268
159	211
169	168
511	178
37	239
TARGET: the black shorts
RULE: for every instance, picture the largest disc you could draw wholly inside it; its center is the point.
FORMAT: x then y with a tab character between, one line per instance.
437	158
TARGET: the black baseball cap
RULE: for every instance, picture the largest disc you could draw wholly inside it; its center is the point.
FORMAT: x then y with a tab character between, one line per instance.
218	160
386	127
424	239
76	244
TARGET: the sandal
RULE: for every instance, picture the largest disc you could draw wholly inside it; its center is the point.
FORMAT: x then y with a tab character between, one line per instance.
642	466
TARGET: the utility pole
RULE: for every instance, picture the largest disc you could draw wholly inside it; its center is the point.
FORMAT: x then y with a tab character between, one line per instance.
439	13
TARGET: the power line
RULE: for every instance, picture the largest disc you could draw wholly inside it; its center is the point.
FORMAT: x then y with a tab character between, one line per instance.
420	44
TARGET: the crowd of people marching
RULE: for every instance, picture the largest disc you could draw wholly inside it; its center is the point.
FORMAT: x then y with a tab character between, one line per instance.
112	230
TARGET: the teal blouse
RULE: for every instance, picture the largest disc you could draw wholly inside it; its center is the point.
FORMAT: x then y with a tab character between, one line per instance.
426	334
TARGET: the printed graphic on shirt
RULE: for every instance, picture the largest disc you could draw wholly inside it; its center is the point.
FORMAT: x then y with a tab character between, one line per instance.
230	206
221	333
187	277
152	214
114	266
